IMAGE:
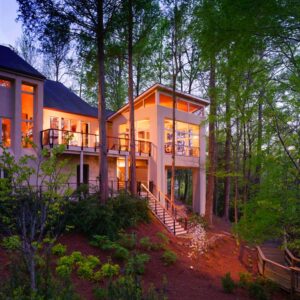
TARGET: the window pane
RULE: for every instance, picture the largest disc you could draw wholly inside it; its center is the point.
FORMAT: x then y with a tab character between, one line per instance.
27	107
27	88
65	124
150	101
54	122
6	129
196	109
5	83
27	134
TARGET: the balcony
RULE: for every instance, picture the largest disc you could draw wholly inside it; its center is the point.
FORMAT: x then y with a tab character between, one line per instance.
88	142
182	150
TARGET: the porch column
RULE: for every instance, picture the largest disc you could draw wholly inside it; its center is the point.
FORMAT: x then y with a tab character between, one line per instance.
16	124
81	168
126	168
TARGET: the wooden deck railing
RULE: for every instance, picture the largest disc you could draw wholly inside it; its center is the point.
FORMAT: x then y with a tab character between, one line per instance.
286	277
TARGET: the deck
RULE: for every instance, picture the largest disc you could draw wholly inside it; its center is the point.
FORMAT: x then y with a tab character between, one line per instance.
279	265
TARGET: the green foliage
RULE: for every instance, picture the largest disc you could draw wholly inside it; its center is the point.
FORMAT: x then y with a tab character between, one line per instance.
146	244
11	242
85	271
169	257
103	242
100	293
164	239
245	280
228	284
256	291
127	240
136	264
195	219
120	253
90	217
109	270
59	249
64	270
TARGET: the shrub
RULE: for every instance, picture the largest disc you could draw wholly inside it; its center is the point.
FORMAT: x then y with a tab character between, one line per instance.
245	279
169	258
11	242
256	291
76	256
228	284
127	240
66	260
103	242
93	261
109	270
146	243
64	271
121	253
85	271
59	249
89	216
164	239
100	293
136	264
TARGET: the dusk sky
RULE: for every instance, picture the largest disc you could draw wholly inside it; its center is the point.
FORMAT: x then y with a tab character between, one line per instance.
10	29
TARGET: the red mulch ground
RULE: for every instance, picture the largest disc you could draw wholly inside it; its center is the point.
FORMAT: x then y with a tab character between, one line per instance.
188	278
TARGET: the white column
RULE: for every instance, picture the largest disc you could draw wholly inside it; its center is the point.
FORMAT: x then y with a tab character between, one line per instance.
16	124
81	167
126	168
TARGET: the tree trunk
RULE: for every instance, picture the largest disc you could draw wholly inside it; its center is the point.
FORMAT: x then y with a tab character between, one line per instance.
103	174
173	137
133	186
259	142
186	185
211	144
227	182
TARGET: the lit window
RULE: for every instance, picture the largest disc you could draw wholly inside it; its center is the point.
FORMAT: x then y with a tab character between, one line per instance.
5	83
196	109
27	115
6	130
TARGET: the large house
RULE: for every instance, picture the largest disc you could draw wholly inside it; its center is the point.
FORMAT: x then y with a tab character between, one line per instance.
49	114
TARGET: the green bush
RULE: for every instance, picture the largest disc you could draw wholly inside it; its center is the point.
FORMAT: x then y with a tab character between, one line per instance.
85	270
127	240
64	271
245	280
109	270
169	257
120	253
100	293
146	244
76	256
256	291
164	239
11	242
66	260
228	284
103	242
136	264
89	216
93	261
59	249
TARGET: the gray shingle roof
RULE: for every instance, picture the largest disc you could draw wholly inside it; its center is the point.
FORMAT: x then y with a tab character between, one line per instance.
11	61
57	96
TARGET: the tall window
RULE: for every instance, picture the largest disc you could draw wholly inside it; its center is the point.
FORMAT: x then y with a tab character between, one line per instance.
27	115
5	132
186	138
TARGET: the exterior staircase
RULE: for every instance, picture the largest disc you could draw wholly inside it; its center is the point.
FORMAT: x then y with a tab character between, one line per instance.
168	216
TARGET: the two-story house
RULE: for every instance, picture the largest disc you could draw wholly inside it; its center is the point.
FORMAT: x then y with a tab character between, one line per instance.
48	113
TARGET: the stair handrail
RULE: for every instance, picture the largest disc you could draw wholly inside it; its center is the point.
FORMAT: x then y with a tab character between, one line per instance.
162	207
175	210
175	213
